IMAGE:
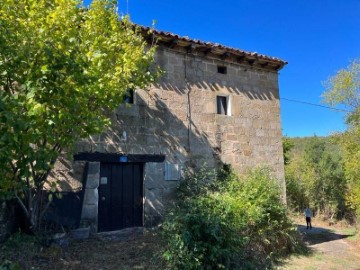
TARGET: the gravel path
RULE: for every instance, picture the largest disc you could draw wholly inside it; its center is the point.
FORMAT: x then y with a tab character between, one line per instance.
329	249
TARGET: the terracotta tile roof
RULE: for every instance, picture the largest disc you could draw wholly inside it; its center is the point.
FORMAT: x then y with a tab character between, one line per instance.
253	58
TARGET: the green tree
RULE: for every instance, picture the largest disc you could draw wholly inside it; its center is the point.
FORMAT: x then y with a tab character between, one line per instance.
63	68
315	176
287	146
297	194
327	189
343	88
351	145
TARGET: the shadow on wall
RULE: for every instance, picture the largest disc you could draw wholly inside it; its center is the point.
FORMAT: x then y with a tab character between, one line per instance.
65	211
172	118
69	175
154	126
164	120
248	91
202	74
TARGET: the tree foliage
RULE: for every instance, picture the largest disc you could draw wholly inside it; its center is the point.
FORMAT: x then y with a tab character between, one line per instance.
315	177
63	67
228	223
344	88
287	146
351	145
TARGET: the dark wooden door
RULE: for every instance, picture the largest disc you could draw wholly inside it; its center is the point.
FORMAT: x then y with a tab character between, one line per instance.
120	196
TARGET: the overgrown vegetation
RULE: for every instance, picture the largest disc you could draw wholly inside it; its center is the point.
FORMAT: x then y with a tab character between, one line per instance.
315	177
25	246
22	251
222	221
325	172
63	68
343	88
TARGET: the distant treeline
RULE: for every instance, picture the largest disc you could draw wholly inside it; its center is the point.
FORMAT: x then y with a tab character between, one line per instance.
299	143
315	176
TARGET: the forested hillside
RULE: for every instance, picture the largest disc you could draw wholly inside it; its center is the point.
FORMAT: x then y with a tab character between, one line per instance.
315	176
331	143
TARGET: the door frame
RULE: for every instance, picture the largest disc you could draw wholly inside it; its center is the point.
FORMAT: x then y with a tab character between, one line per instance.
89	211
111	192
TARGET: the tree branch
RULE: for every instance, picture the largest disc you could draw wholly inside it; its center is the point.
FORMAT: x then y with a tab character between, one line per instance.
22	205
44	142
14	168
9	85
44	209
32	171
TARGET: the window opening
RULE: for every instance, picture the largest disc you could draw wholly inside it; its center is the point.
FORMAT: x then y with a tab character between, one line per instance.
129	96
222	105
221	69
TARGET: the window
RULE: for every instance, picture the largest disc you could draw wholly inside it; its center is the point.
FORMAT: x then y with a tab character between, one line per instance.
172	172
129	96
221	69
223	105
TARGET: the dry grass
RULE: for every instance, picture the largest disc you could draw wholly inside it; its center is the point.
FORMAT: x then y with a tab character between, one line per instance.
138	252
331	246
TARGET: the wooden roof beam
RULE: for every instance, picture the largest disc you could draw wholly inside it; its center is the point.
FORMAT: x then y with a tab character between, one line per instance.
251	61
173	43
240	58
191	48
207	51
224	56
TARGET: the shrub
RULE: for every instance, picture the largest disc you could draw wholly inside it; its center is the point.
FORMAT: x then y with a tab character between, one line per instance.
228	223
18	248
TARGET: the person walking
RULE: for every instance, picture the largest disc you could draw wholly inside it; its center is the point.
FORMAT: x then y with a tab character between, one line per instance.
308	215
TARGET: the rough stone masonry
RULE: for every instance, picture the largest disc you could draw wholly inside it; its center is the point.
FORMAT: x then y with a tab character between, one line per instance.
212	105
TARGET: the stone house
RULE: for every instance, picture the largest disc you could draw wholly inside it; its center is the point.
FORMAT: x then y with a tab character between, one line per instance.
214	104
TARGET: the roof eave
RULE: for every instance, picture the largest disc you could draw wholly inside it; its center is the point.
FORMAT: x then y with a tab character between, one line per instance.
173	41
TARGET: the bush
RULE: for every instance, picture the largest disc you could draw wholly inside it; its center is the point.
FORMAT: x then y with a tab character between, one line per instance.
18	248
227	223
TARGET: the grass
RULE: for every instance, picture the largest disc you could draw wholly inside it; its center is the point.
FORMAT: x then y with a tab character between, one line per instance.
25	252
318	257
351	232
331	247
140	252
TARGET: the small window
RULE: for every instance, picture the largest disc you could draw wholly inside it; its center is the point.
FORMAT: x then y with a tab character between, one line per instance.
221	69
223	105
129	96
172	172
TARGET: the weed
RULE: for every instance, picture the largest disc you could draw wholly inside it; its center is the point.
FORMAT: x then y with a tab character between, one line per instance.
9	265
226	222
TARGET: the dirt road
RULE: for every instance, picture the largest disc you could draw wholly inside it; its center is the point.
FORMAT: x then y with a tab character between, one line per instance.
329	248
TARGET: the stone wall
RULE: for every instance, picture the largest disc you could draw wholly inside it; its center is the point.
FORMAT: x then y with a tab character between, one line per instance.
70	174
89	211
178	117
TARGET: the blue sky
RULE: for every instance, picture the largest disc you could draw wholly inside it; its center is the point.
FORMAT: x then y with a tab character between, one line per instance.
317	38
